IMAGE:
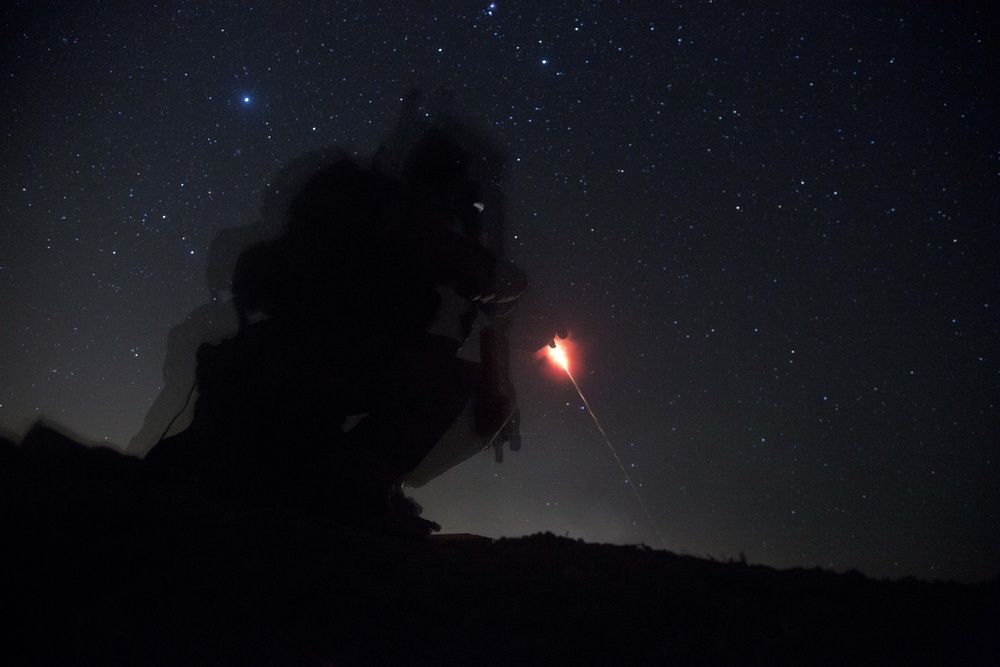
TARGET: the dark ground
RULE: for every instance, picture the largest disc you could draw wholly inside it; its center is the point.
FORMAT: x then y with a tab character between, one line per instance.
104	568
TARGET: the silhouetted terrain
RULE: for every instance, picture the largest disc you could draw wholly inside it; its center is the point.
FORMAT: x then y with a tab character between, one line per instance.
104	568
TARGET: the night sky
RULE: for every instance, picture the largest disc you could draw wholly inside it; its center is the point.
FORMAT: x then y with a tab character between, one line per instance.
771	229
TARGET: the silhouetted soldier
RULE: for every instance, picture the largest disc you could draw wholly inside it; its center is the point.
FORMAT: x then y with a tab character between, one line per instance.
334	317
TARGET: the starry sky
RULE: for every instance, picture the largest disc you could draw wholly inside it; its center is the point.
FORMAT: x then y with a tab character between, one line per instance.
771	229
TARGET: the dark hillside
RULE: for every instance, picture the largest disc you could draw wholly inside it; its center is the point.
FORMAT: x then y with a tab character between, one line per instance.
103	569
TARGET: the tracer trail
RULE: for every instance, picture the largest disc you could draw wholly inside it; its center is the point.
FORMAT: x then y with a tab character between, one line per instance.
558	355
